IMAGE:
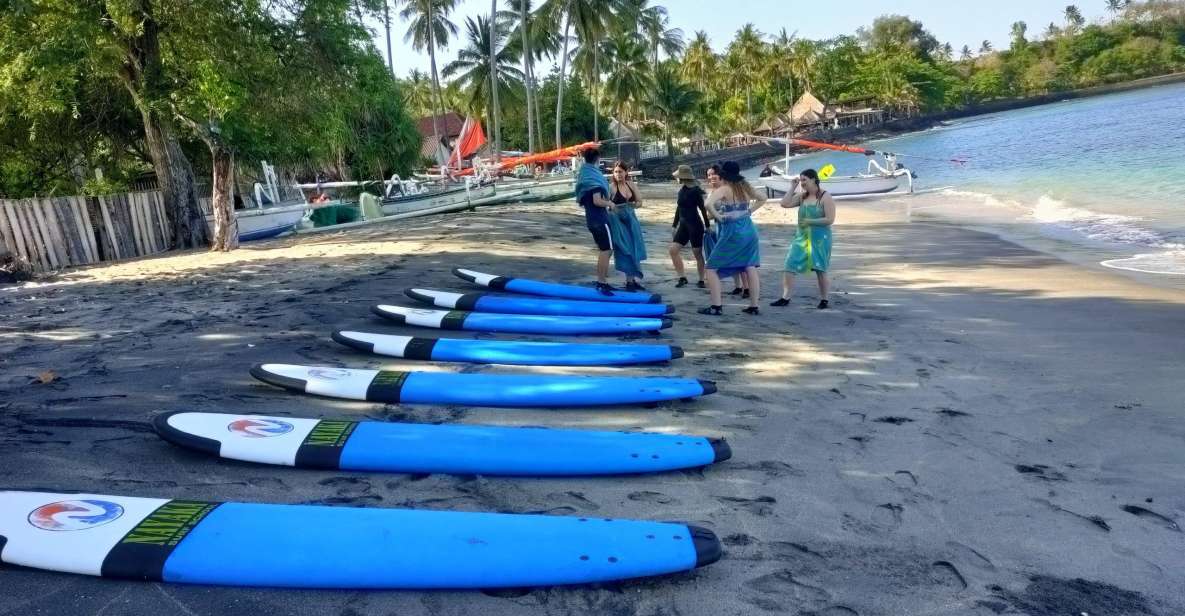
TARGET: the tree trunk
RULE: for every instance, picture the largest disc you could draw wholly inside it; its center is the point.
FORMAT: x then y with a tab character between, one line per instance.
226	236
174	175
436	102
535	106
497	111
596	92
527	75
387	28
141	75
559	98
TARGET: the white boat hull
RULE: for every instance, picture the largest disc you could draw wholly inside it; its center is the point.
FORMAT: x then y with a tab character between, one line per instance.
844	186
431	201
261	223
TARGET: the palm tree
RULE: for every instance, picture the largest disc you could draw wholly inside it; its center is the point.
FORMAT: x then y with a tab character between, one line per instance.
430	28
1052	31
948	52
492	58
1074	19
985	47
1019	29
699	61
417	93
671	99
1116	6
630	77
471	69
965	53
745	57
588	18
540	39
652	22
387	30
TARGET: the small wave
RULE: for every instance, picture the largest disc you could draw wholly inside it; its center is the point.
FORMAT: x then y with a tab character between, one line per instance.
986	198
1170	263
1057	217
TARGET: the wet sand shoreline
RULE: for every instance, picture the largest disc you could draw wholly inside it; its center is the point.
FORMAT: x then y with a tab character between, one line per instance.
972	430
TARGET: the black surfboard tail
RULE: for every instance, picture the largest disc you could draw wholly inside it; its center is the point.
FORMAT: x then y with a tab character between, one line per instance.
279	380
707	546
720	449
160	423
398	318
340	337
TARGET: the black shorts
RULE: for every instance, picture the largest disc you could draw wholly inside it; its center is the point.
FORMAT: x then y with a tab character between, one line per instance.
689	233
601	237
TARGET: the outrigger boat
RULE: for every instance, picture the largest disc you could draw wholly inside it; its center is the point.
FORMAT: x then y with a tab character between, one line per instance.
404	196
880	178
271	215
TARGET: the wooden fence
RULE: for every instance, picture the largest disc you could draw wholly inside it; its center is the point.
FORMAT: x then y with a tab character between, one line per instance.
57	232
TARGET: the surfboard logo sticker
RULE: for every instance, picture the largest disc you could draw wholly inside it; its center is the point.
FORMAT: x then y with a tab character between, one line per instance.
259	428
329	374
75	514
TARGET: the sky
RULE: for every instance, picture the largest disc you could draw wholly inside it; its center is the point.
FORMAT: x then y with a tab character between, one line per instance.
954	21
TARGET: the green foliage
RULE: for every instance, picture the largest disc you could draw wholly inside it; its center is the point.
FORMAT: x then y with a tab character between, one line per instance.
576	116
300	85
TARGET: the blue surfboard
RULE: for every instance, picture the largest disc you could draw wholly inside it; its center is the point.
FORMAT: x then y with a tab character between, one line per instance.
311	546
519	323
488	302
507	351
426	448
553	289
493	390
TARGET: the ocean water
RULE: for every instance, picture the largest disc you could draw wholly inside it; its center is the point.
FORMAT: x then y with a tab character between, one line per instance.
1101	178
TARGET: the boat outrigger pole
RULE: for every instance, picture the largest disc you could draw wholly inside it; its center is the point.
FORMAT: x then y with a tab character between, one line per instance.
853	149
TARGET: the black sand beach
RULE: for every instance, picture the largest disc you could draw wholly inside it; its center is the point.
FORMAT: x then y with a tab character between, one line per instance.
975	428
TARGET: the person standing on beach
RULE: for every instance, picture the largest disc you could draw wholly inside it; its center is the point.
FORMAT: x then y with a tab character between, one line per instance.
690	225
592	192
740	285
629	243
737	248
811	248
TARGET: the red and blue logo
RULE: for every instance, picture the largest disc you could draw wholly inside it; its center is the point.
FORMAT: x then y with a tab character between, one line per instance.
75	514
259	428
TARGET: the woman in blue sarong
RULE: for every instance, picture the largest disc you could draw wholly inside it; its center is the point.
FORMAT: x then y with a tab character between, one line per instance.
737	247
811	249
629	244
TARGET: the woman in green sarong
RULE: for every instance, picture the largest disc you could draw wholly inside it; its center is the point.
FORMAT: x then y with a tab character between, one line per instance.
811	248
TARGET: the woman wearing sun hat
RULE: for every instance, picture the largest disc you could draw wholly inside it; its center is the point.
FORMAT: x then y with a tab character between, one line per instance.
690	225
737	248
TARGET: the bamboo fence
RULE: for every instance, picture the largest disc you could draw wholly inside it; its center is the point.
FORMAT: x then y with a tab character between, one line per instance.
52	233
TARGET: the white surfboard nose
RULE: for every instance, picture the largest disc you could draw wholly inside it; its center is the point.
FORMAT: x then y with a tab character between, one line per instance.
440	298
382	344
478	277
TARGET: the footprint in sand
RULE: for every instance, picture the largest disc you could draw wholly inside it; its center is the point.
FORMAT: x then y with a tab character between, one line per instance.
888	514
896	421
772	469
652	497
946	574
832	610
1156	518
784	586
1040	471
761	506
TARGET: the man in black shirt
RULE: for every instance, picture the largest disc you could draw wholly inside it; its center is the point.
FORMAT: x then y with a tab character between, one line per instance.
690	225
